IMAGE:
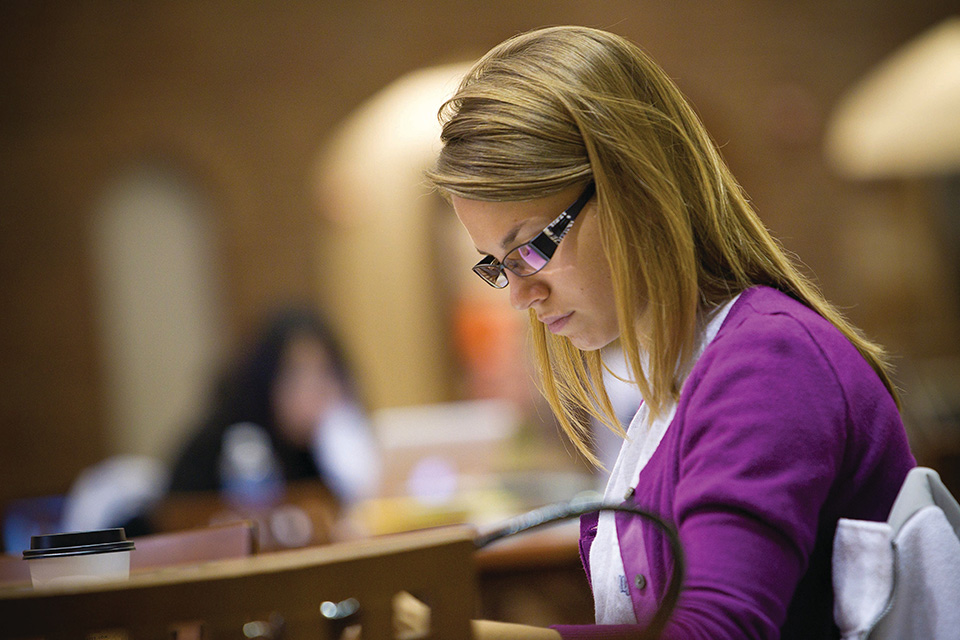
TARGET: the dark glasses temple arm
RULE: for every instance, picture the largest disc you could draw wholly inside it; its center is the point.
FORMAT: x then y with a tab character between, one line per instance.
546	243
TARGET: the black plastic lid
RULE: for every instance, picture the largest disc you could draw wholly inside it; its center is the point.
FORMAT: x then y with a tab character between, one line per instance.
80	543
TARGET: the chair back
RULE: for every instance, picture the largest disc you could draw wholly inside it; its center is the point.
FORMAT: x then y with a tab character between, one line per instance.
901	578
295	594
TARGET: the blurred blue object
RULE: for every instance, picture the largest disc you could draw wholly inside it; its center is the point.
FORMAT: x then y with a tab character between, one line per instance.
249	468
28	517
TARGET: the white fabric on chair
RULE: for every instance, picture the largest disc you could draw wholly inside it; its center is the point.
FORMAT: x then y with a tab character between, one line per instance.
862	575
901	578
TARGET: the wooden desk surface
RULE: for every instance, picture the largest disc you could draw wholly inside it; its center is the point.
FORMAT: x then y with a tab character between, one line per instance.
553	546
305	515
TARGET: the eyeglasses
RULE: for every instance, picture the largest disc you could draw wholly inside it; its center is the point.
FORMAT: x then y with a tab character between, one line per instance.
531	257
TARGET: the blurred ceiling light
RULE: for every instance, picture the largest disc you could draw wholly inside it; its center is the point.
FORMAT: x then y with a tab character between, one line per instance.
903	119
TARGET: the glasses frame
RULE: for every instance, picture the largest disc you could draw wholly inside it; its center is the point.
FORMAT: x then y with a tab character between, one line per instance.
544	243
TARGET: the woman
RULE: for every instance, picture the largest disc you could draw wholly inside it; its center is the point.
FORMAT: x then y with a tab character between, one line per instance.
293	393
766	415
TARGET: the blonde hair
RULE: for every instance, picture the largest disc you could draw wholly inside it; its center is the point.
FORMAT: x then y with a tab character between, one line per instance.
556	107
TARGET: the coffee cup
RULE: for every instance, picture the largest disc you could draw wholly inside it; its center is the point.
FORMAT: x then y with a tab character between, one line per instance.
83	557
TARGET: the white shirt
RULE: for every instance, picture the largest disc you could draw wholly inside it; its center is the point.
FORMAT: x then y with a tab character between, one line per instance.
611	596
346	453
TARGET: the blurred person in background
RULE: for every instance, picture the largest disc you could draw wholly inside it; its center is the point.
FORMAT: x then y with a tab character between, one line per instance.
594	193
285	416
288	412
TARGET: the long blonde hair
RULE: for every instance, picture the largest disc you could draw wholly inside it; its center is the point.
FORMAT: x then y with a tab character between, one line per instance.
555	107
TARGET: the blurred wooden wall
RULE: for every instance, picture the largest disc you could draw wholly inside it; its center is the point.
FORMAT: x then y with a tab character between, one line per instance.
243	96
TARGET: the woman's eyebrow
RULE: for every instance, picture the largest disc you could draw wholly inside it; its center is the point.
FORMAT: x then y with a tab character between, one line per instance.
508	239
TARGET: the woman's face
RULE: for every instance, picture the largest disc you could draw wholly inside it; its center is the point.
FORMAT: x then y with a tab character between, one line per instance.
573	294
305	388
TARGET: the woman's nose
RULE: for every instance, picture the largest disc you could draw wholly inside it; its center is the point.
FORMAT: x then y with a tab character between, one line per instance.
525	292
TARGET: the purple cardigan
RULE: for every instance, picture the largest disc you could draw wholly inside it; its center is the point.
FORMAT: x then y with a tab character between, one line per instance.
781	428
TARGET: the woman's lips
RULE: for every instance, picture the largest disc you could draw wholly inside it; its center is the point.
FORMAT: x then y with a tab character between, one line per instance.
556	323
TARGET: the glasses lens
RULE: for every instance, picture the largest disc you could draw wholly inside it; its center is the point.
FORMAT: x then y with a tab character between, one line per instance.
533	258
492	273
525	260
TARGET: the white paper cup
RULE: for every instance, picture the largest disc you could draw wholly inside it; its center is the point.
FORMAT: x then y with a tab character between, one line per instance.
85	557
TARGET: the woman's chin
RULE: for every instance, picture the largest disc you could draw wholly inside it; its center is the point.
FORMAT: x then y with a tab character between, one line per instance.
590	343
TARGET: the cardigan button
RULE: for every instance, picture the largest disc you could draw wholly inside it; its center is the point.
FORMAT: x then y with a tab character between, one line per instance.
640	582
629	493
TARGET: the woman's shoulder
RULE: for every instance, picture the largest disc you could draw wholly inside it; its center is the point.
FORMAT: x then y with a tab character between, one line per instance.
765	322
196	465
771	343
772	307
